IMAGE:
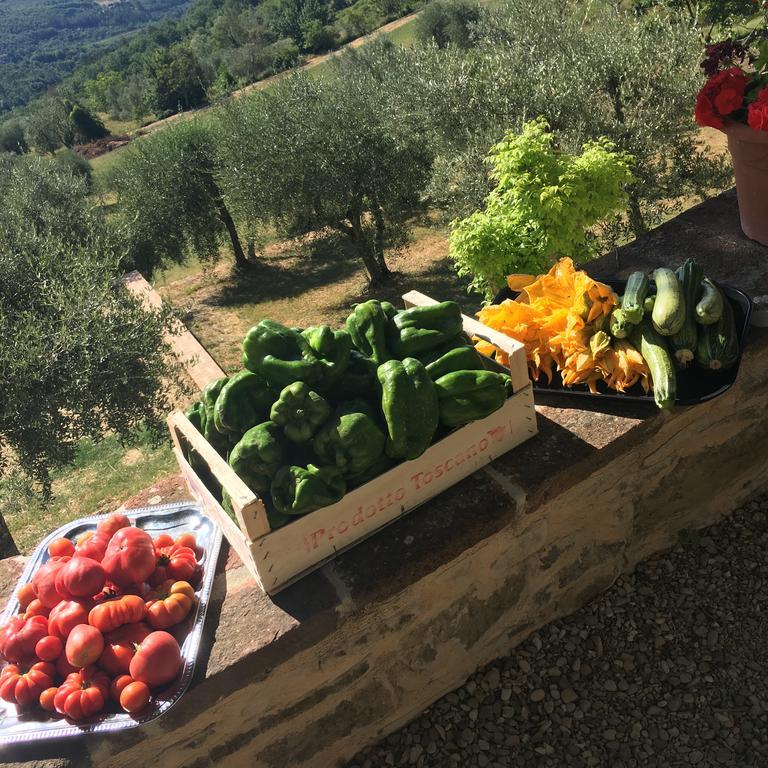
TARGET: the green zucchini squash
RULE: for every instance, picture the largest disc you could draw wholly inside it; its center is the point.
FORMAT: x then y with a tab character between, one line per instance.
683	343
668	313
718	344
618	325
648	304
634	296
653	347
710	305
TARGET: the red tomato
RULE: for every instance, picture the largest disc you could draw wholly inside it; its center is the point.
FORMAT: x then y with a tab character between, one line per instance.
113	523
117	686
83	694
120	647
80	577
174	562
26	595
19	637
163	540
45	581
94	546
46	699
66	616
134	697
186	540
130	557
49	648
157	660
36	608
23	686
61	548
169	603
84	645
112	614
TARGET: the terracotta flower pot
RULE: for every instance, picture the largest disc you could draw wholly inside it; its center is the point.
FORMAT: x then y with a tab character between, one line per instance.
749	150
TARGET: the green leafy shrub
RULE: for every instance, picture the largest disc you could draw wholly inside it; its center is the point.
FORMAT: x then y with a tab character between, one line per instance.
447	22
542	206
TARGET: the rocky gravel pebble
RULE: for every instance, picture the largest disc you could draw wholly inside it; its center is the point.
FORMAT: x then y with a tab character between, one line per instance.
667	668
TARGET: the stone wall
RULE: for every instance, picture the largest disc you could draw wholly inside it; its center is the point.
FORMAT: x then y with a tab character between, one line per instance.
362	646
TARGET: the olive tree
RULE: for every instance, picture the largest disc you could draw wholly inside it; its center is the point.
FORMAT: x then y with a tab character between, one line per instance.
170	200
590	71
313	154
80	356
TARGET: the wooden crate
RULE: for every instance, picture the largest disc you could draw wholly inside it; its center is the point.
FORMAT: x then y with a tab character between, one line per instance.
280	557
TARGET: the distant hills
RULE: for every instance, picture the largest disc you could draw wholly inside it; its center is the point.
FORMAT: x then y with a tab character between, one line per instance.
43	41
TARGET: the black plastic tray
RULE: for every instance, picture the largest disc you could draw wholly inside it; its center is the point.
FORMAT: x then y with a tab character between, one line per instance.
694	385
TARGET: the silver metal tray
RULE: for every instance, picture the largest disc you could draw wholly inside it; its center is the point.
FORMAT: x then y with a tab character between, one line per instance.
16	728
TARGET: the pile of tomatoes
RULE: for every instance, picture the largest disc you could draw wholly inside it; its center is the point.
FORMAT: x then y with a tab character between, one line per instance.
95	621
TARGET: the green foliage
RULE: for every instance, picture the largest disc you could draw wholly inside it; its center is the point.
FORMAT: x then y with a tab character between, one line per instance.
543	206
176	80
87	127
309	154
48	126
703	12
447	22
12	137
169	202
76	164
42	41
80	357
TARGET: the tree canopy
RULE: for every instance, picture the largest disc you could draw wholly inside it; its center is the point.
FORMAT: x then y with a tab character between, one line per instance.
80	355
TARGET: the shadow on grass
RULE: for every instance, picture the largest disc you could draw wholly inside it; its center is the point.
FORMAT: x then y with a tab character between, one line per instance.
321	262
438	281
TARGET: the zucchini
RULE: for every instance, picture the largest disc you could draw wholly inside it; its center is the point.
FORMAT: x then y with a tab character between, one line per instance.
718	345
634	296
710	305
648	304
669	309
618	325
653	347
683	343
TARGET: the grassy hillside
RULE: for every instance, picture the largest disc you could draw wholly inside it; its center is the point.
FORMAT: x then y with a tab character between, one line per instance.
42	41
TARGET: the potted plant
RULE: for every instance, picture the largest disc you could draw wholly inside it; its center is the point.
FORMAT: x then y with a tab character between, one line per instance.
735	100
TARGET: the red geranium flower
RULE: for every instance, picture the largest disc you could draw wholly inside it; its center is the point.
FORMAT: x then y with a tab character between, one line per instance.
722	94
757	116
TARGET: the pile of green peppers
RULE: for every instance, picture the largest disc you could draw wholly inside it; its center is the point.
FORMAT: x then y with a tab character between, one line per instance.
316	412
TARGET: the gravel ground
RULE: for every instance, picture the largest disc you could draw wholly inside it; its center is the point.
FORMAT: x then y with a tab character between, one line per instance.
667	668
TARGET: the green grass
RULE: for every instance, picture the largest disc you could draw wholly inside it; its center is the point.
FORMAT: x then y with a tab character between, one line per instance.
119	127
102	164
103	476
404	35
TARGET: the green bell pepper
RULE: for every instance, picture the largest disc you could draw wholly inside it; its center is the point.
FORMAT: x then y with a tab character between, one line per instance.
465	396
300	412
195	414
359	380
429	357
409	403
419	329
332	349
243	402
367	325
210	395
296	490
351	440
259	454
379	467
317	356
459	359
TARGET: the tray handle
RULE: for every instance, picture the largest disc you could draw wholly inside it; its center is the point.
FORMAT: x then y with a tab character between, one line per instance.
518	365
249	509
